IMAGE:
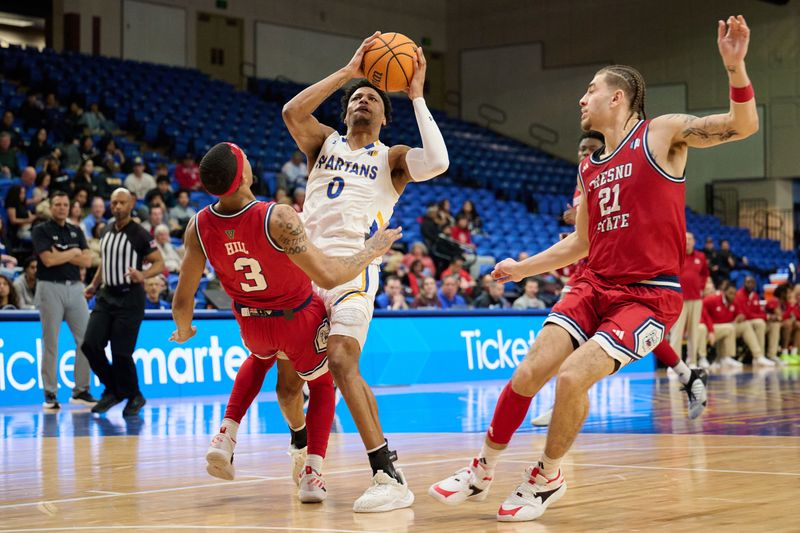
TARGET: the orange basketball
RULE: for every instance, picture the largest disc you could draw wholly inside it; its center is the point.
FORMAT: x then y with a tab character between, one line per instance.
389	62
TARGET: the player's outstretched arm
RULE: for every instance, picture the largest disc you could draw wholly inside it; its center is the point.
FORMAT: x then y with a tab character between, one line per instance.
568	250
305	129
194	262
288	232
419	164
741	121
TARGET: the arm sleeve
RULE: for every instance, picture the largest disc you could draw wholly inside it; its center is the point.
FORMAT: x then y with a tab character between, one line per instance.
431	160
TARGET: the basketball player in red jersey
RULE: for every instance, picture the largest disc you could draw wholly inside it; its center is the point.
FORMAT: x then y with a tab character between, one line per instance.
631	224
263	259
694	384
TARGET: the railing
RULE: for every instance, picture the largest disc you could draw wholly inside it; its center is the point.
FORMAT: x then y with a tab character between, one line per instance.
542	135
726	205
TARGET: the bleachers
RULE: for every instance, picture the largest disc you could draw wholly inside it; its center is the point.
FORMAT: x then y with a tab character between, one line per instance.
181	110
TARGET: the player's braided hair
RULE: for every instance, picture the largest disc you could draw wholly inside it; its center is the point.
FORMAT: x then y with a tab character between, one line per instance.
632	84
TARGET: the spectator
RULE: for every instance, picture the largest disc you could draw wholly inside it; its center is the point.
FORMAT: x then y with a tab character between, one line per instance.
430	227
7	126
97	214
188	174
728	323
72	121
104	183
8	157
95	121
172	259
32	112
280	194
162	171
420	252
75	216
448	294
299	197
445	217
82	197
492	298
780	309
87	148
474	220
71	153
38	148
724	261
84	178
28	181
7	262
694	274
25	284
94	246
162	189
20	218
294	173
41	187
153	287
182	211
415	276
112	158
461	234
392	296
8	295
139	182
456	268
749	304
530	298
427	297
155	218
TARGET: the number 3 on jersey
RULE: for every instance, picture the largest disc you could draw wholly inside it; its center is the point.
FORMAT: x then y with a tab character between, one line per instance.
335	187
253	273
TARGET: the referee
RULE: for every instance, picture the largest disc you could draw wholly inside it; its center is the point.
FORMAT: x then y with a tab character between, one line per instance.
119	310
62	250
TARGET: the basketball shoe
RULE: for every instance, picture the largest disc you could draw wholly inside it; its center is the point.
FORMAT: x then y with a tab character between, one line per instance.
385	494
697	393
312	486
219	457
298	462
533	496
543	420
470	483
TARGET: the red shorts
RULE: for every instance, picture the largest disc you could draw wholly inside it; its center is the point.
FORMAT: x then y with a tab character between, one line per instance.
303	340
627	321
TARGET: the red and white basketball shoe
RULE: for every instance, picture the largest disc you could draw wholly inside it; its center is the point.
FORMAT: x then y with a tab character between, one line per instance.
219	457
470	483
534	495
312	486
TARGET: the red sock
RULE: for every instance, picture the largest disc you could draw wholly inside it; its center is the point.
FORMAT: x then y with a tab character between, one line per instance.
509	413
247	385
319	418
666	354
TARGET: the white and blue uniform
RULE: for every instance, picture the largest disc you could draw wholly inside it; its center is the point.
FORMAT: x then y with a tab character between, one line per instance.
349	195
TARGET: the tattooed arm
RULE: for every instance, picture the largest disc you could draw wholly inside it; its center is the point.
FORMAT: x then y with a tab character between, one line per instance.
288	232
741	121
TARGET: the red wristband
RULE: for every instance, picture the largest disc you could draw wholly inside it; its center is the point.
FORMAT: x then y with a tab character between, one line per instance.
740	95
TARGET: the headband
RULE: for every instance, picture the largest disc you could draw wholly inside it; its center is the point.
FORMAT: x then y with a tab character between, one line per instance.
237	179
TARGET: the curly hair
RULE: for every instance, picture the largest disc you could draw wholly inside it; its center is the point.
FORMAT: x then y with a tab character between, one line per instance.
387	104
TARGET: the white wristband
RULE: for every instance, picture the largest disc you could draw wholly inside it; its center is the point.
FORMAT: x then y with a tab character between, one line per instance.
431	160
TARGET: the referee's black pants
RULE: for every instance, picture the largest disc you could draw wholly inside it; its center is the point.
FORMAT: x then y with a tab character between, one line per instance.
116	317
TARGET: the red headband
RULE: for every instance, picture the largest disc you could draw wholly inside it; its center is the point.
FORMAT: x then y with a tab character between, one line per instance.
237	179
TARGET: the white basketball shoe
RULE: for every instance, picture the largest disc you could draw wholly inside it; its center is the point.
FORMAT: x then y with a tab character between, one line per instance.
312	486
532	497
298	462
385	494
219	457
470	483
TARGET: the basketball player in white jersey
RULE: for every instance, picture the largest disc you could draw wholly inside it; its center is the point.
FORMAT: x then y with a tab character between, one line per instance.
353	185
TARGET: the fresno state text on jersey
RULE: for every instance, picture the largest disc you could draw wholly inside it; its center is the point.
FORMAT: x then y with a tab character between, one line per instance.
637	226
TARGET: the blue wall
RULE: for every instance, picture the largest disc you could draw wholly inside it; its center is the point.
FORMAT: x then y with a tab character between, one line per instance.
402	348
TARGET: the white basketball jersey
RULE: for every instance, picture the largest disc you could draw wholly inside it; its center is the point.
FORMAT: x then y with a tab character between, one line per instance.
349	195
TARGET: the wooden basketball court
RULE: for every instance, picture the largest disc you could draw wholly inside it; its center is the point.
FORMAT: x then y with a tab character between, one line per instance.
156	481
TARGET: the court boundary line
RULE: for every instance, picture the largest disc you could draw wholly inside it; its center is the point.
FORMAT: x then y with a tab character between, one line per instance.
182	527
676	468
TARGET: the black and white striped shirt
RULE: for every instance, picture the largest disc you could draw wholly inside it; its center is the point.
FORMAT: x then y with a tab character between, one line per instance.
123	249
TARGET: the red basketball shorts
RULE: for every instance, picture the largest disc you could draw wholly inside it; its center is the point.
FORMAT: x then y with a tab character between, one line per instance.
627	321
303	340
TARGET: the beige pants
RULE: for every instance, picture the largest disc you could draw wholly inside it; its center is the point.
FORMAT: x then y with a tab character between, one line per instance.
687	322
726	335
773	338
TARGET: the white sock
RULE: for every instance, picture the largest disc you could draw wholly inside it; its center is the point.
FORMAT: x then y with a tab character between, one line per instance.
315	462
231	428
549	466
683	371
489	456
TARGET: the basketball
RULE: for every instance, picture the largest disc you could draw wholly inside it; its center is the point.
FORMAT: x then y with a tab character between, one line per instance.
389	62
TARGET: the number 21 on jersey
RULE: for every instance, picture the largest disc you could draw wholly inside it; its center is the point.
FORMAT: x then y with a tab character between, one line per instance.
609	195
252	272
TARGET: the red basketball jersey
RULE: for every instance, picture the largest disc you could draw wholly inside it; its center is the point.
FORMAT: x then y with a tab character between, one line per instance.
637	225
253	270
